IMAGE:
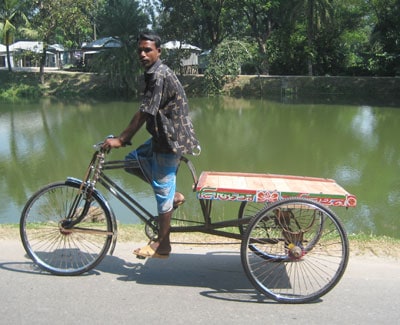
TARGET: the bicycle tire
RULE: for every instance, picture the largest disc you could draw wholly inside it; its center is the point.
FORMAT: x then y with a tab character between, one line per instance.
63	251
296	257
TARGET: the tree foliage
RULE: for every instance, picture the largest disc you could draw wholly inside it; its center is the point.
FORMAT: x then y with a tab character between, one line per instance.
12	12
204	22
315	15
225	64
262	18
52	19
314	37
385	37
122	19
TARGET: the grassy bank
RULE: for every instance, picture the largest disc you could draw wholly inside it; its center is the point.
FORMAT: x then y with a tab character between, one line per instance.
19	85
360	244
24	85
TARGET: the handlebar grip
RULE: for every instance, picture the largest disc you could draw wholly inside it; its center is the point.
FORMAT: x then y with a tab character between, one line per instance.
98	146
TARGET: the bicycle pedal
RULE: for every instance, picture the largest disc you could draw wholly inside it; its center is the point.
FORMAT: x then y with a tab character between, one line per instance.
140	257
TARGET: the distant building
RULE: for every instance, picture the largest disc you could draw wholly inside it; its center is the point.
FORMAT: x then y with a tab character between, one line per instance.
25	54
89	50
189	63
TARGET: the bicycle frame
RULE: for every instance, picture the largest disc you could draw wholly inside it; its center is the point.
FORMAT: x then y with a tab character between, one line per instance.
96	174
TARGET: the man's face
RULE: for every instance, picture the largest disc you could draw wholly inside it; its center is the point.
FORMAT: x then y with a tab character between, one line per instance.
148	53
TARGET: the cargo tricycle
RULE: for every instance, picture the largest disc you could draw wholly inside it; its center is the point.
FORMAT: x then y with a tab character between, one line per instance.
293	247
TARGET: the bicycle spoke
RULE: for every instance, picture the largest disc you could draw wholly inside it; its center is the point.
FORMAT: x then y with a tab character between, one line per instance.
57	248
295	251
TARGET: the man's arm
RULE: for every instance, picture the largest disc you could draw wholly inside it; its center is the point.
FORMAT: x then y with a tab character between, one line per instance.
135	124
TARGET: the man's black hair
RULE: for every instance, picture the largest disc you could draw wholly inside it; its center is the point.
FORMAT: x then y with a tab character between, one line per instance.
150	36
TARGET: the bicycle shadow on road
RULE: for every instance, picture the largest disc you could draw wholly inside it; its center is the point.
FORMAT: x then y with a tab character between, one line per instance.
219	272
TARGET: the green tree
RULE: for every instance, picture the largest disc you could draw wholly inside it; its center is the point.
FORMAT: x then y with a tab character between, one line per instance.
177	20
225	64
262	18
204	23
349	36
286	51
152	9
339	48
385	37
123	19
59	18
11	12
316	14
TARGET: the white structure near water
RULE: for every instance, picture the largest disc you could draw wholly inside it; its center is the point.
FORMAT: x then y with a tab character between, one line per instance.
27	54
22	54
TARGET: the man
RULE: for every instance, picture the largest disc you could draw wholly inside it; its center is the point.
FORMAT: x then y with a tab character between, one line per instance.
164	109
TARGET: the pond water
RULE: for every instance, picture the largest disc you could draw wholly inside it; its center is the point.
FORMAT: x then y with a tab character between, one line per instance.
357	145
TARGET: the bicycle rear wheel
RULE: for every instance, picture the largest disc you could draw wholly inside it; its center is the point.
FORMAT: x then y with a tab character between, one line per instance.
248	210
295	250
52	244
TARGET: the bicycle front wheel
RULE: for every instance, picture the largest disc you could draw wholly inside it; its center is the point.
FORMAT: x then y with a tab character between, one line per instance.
295	250
54	246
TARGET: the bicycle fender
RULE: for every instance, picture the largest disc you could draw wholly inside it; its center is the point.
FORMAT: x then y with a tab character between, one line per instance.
78	182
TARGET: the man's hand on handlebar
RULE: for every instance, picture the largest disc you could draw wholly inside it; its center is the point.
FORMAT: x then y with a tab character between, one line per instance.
111	143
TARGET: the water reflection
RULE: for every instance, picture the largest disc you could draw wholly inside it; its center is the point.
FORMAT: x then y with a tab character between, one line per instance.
364	124
355	145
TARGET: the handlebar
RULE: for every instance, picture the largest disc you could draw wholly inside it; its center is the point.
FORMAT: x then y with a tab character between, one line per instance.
99	146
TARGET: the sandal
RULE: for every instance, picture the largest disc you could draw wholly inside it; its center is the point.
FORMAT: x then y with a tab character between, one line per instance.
149	252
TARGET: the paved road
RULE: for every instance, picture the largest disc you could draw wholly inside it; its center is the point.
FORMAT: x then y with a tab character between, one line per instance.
196	285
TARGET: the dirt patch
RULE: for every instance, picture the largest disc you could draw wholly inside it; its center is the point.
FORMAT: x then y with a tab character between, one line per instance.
379	247
9	232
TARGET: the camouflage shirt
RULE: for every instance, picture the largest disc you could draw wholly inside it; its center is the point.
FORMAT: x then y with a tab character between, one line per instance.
167	107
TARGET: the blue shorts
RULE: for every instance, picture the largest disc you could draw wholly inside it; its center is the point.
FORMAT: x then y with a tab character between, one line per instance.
159	169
